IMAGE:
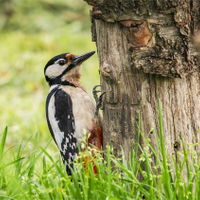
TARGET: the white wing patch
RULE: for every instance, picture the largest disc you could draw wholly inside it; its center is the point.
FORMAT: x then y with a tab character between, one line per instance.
52	87
58	135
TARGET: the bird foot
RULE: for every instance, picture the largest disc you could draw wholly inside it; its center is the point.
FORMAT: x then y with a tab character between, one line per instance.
98	100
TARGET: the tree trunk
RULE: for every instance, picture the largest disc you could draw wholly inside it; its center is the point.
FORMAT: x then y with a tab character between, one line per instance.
146	53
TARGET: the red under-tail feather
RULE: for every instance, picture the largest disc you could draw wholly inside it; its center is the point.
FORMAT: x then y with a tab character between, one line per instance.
95	140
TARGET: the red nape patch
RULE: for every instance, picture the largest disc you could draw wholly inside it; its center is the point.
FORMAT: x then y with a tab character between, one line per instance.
70	57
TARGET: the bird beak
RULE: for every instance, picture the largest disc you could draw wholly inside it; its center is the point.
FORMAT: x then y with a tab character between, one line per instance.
80	59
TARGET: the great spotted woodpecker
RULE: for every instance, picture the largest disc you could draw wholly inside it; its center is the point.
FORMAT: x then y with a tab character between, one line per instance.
69	108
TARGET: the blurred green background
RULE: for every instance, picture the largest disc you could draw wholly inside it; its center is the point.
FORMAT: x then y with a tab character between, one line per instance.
31	33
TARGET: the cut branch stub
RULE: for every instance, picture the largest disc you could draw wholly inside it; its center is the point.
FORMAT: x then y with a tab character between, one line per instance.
140	33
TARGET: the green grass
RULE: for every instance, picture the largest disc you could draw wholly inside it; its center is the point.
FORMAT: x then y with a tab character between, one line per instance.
39	175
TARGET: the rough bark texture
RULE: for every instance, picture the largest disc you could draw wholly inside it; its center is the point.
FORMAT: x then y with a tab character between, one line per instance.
146	53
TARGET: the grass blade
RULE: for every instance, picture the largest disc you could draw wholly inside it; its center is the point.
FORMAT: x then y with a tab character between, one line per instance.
165	170
3	140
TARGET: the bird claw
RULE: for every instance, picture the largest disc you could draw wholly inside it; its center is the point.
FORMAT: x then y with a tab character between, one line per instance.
98	100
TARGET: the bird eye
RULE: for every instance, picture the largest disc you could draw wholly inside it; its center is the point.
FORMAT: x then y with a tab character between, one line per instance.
61	62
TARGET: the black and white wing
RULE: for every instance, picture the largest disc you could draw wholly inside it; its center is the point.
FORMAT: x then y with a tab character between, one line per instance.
61	124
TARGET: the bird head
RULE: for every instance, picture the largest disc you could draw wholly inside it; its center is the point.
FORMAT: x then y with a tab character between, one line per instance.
65	67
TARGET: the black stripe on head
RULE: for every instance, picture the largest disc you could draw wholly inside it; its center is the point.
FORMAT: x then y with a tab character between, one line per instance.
58	81
52	61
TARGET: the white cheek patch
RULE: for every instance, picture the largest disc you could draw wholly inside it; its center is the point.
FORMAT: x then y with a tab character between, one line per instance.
55	70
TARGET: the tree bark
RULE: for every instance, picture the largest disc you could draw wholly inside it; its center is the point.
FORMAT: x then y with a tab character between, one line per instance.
145	54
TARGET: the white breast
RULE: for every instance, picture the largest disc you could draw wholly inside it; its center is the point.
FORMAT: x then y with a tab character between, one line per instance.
83	110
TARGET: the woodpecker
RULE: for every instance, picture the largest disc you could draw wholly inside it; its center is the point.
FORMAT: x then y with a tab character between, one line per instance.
69	108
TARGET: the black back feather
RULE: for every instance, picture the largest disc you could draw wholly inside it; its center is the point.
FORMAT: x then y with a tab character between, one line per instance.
64	117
